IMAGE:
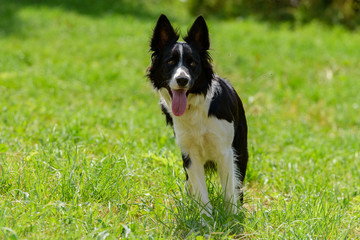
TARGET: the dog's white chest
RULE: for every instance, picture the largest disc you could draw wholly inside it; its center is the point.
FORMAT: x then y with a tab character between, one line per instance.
198	134
207	138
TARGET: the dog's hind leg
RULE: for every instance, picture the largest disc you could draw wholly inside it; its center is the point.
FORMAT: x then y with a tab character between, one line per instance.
241	158
226	170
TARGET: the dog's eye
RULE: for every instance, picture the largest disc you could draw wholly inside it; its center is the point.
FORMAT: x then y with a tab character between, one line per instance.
192	63
171	62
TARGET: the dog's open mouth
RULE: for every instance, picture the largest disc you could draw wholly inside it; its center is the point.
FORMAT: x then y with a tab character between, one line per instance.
179	101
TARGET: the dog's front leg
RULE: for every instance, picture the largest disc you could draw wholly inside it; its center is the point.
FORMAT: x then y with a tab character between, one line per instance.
196	182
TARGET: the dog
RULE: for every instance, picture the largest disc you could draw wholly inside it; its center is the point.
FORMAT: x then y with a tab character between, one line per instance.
204	110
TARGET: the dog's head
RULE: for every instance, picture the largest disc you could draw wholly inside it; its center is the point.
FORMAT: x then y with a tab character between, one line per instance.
180	67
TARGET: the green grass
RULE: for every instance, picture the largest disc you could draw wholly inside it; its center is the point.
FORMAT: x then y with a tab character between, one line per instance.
83	148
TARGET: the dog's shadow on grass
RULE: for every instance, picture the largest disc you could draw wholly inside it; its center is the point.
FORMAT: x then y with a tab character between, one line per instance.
187	221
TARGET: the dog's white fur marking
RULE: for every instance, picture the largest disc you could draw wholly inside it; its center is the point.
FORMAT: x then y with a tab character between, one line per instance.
205	138
179	70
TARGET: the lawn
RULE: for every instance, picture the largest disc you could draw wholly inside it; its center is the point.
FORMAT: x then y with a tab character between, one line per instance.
85	154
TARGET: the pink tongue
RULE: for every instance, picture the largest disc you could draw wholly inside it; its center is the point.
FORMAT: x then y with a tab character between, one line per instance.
179	102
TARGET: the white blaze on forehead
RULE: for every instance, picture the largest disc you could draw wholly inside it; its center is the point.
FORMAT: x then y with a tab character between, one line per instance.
181	51
180	70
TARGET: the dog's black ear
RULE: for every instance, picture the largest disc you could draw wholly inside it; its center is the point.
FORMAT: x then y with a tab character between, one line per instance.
198	34
163	35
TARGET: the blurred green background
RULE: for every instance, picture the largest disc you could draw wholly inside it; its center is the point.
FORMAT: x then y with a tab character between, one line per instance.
344	12
84	151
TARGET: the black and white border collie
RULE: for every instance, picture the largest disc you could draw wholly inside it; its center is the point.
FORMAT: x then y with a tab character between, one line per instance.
204	110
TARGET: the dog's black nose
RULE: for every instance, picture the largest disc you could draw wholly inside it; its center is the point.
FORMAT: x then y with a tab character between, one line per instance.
182	81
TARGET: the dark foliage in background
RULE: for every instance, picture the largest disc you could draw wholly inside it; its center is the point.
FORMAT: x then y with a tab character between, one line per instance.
345	12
